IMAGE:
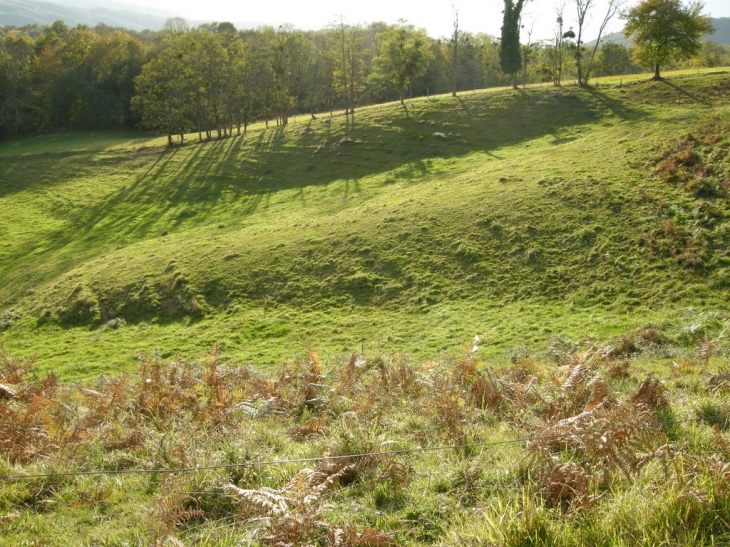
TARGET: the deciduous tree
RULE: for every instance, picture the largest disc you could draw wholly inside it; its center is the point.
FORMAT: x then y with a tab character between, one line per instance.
665	30
404	54
16	75
584	65
612	60
164	101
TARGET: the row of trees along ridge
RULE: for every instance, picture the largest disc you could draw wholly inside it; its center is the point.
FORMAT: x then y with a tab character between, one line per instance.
216	80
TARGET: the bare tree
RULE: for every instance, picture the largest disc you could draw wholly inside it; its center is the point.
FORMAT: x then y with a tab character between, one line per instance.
348	45
612	9
455	53
526	53
558	54
342	30
583	7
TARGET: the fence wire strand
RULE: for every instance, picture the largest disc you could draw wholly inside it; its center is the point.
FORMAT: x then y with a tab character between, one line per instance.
319	459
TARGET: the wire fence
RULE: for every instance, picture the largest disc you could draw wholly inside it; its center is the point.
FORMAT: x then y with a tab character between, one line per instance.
320	459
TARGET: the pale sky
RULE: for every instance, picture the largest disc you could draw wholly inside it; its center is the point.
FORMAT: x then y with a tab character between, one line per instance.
436	16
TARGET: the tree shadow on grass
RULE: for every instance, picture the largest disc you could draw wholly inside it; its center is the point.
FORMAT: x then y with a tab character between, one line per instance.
558	140
612	104
184	185
684	92
464	106
352	186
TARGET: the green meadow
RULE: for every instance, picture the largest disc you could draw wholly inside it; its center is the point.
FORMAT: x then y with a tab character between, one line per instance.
519	216
496	319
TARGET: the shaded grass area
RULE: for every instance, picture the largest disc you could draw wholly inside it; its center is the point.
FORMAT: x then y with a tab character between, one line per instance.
537	212
73	143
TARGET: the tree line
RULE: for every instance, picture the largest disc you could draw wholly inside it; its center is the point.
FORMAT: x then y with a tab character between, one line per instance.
215	79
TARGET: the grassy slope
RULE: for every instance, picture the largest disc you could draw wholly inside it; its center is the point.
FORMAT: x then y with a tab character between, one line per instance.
519	214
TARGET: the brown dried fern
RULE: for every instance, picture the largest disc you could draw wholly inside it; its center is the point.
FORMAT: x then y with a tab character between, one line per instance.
170	511
565	485
612	439
351	537
291	513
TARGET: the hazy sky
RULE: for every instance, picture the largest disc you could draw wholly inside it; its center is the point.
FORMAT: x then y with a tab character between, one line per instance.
436	16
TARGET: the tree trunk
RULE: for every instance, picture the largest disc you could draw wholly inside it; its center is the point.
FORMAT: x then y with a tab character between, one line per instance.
454	68
169	139
657	76
580	72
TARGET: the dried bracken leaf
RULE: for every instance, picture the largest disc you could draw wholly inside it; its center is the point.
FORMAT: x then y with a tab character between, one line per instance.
8	517
6	392
310	428
651	394
564	485
720	382
351	537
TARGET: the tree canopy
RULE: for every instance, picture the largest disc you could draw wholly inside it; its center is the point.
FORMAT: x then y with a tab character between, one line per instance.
403	55
666	30
216	79
510	56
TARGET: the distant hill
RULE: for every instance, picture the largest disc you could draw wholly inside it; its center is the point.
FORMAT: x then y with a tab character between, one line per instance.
115	14
722	31
613	38
27	12
720	36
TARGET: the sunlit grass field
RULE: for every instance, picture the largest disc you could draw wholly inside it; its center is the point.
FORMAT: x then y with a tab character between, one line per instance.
519	216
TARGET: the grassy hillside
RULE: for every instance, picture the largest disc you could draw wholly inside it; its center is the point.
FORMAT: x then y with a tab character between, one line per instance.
520	215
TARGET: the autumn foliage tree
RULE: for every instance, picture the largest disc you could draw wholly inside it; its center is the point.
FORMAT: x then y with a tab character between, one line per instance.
164	100
403	56
666	30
